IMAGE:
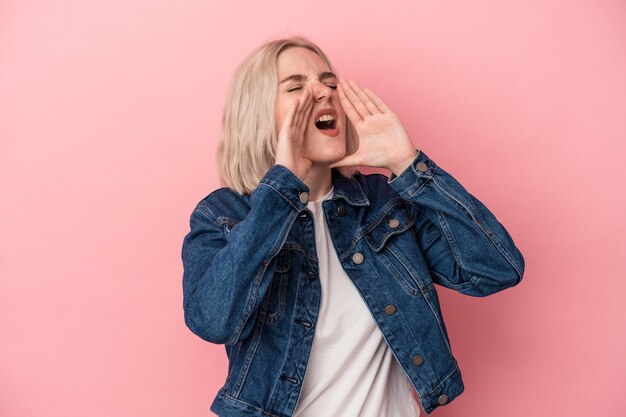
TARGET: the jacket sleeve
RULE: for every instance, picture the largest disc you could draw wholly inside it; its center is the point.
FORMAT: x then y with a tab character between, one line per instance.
226	278
465	246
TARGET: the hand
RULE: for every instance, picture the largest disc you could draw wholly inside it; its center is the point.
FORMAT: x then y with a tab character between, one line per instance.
290	144
383	141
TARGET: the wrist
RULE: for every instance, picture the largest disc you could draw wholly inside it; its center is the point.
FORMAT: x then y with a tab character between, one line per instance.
400	167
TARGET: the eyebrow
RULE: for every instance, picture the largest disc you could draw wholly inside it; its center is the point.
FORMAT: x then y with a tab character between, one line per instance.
299	77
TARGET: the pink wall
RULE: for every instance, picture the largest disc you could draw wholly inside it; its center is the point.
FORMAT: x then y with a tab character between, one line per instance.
109	117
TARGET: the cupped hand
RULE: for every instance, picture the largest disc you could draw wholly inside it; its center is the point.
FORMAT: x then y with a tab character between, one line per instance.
383	140
290	146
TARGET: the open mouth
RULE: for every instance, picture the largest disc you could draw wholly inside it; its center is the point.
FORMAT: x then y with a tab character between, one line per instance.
326	119
326	122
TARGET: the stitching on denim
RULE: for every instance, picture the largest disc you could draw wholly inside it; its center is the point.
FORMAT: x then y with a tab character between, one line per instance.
291	357
444	379
391	205
203	214
414	292
387	235
439	319
292	245
280	194
361	233
421	284
406	326
254	291
245	404
450	238
252	296
426	179
451	193
231	364
424	288
281	281
449	284
248	359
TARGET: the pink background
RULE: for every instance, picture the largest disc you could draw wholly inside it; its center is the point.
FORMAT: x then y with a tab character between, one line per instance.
109	119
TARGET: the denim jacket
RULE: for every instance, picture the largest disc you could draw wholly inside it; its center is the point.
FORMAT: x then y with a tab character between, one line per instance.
250	278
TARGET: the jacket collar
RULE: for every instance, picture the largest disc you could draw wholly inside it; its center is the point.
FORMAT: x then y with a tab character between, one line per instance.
348	188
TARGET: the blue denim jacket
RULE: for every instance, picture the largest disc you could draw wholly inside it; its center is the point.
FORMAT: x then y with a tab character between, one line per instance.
251	282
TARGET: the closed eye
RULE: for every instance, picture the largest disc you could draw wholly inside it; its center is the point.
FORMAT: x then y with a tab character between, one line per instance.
334	87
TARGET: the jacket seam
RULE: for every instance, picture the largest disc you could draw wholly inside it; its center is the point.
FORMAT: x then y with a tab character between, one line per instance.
424	183
203	214
489	236
254	292
230	397
444	379
249	359
281	194
451	240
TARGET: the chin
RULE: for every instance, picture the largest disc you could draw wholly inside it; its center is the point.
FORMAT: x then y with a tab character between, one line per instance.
327	155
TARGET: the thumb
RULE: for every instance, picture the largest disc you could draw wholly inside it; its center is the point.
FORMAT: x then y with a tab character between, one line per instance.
347	161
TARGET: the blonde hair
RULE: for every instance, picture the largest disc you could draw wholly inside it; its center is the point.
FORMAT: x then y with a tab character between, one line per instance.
247	147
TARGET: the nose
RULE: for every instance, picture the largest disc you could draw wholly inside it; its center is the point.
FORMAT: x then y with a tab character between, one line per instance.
321	91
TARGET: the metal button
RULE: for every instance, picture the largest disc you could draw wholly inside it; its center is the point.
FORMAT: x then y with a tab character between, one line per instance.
393	223
443	398
390	309
357	258
304	197
422	167
418	360
341	211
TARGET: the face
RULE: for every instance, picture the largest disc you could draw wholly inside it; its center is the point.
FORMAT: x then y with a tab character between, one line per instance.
319	144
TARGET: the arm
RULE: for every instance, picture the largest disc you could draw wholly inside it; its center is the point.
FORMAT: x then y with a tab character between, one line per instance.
464	245
225	279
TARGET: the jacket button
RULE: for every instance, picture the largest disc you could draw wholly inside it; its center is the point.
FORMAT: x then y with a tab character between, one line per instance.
422	167
341	211
390	309
304	197
357	258
418	360
393	223
443	399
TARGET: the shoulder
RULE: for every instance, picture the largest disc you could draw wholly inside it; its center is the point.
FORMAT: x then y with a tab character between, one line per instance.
223	203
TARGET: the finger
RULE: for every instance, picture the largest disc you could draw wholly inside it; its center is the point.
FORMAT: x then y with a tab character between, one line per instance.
348	108
367	101
379	103
307	115
355	100
290	114
304	100
350	160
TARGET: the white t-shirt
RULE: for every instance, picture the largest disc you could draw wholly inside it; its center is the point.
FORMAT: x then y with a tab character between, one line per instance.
351	371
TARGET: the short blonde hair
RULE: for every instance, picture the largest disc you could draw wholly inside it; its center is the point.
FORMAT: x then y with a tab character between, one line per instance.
247	147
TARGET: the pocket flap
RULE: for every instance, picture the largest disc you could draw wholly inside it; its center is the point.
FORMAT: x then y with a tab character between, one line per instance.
396	219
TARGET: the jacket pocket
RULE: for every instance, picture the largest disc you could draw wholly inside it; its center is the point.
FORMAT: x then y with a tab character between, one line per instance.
392	238
274	303
395	220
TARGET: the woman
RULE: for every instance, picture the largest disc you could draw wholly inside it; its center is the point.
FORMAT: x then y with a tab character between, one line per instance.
318	279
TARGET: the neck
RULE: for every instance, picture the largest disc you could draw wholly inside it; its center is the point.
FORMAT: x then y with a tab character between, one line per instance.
319	180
